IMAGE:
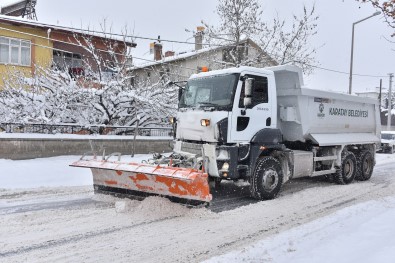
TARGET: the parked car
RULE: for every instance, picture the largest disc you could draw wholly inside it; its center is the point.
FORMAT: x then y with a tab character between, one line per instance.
388	141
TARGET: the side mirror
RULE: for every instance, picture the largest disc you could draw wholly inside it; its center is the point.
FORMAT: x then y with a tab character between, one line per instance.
248	87
247	101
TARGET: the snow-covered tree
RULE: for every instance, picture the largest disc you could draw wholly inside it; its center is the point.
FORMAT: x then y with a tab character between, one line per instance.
242	19
103	95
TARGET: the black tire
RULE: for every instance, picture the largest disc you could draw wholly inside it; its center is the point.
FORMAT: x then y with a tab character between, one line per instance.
267	179
346	173
365	165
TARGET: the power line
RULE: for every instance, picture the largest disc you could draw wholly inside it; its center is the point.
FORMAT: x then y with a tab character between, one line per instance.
340	72
59	41
158	62
79	30
78	45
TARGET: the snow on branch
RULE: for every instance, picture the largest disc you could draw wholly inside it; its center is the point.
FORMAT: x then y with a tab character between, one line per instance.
101	94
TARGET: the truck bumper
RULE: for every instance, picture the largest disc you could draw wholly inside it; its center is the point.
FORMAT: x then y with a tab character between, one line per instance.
220	160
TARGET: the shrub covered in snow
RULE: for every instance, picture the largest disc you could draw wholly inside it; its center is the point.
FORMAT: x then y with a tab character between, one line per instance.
103	95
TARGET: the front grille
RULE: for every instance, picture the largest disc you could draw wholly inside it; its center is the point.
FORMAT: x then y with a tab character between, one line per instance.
191	148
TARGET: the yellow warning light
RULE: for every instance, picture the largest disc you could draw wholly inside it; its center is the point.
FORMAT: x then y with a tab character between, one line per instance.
200	28
204	69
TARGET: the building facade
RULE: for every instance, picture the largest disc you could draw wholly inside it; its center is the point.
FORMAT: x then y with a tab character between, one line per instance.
26	45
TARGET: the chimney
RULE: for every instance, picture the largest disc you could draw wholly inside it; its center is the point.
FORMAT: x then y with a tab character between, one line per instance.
169	54
157	51
199	37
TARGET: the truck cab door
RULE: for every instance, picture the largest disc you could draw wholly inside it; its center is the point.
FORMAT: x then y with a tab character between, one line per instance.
261	114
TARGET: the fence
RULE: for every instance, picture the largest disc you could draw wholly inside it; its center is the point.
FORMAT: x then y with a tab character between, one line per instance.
81	129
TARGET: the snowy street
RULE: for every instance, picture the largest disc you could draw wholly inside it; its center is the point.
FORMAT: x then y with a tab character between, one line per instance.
312	220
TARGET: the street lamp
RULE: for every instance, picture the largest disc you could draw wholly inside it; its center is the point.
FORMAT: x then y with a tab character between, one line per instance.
352	47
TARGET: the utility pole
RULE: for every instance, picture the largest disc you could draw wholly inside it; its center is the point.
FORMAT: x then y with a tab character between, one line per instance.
389	102
380	95
352	49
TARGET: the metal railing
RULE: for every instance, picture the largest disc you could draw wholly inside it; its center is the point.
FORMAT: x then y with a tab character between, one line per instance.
83	129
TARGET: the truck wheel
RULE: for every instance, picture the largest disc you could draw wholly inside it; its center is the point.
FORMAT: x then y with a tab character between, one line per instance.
266	181
346	173
365	166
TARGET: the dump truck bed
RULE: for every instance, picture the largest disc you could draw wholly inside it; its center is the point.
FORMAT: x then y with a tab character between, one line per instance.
325	118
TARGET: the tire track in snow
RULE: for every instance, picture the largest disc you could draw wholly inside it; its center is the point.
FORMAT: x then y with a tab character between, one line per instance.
47	205
76	238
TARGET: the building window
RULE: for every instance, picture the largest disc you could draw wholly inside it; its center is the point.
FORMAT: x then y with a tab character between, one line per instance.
15	51
65	60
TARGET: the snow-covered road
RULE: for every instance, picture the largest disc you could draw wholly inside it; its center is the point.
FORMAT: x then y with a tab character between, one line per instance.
312	220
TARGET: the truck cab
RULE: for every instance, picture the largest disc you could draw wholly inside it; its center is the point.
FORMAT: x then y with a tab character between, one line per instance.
218	120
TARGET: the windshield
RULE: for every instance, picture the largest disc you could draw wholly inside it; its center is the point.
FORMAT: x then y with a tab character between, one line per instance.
387	136
215	91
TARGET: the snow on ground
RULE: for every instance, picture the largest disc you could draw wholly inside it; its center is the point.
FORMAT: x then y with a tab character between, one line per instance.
43	172
360	233
48	172
310	221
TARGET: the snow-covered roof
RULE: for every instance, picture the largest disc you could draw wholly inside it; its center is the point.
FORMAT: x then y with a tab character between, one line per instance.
176	57
6	3
36	24
185	55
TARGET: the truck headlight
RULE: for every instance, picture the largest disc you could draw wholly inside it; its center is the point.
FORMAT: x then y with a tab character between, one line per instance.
225	167
172	120
205	122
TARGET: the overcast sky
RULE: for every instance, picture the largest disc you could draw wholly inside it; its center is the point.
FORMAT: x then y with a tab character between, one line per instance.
373	54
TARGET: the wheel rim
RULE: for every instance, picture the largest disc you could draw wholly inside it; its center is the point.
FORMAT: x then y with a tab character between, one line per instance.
270	180
367	166
348	169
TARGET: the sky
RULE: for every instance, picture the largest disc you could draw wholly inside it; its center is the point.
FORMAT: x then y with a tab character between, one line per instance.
373	54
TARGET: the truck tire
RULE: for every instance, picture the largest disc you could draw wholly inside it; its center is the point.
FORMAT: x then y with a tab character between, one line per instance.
346	173
267	179
365	164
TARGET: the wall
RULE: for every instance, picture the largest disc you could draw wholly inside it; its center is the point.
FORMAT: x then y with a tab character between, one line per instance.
19	149
41	56
100	44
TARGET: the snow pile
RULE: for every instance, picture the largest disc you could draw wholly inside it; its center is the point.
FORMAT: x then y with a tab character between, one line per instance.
151	207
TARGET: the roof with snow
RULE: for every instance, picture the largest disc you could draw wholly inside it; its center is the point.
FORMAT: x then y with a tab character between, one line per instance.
176	57
190	54
7	3
13	7
35	24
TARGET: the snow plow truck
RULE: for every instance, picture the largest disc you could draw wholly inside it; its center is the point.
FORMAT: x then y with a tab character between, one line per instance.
257	124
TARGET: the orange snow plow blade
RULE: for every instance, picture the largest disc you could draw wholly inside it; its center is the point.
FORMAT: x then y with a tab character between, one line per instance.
135	179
